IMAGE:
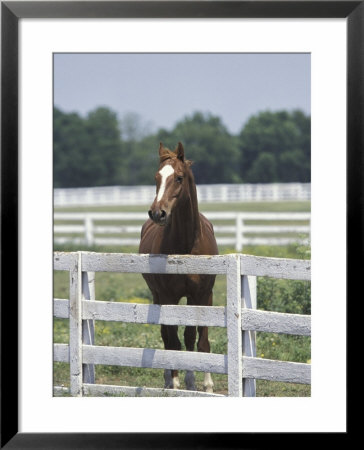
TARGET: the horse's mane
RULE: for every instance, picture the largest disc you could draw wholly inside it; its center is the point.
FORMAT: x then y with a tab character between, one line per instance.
167	154
170	154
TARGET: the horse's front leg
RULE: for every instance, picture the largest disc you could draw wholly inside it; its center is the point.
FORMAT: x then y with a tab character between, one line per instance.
171	342
190	339
203	345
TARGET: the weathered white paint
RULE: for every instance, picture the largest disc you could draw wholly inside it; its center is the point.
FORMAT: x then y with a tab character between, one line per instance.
165	172
88	326
61	353
182	264
292	269
63	260
233	313
273	322
155	358
147	263
104	389
240	317
248	302
259	368
75	324
213	316
61	308
268	369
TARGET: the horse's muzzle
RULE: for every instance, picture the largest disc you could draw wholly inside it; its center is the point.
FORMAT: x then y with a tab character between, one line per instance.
158	216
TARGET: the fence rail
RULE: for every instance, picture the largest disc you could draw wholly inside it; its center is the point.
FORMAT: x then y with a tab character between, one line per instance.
93	228
143	195
240	317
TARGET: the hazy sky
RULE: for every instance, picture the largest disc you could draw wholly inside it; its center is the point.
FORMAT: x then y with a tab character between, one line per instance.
164	88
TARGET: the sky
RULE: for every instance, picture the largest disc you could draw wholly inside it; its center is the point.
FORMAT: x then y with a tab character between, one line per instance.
164	88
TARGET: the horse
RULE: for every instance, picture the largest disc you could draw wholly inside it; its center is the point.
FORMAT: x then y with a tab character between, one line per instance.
175	226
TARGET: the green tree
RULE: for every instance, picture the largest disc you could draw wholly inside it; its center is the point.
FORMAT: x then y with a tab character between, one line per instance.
264	168
106	153
87	152
209	145
282	139
138	155
71	143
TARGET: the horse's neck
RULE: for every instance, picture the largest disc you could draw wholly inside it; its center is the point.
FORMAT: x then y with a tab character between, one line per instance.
185	226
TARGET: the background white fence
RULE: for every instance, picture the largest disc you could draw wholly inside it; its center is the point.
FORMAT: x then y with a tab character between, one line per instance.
143	195
240	317
93	228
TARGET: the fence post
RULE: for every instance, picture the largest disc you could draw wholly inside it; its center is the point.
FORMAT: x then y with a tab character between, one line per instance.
249	300
89	230
239	232
75	343
234	334
88	326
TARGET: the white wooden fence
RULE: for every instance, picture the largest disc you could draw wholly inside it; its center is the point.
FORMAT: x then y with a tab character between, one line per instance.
143	195
92	228
240	317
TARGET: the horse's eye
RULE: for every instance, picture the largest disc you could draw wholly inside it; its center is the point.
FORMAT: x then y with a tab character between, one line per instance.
179	179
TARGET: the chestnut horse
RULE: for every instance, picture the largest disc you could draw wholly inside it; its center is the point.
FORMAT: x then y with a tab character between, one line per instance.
176	227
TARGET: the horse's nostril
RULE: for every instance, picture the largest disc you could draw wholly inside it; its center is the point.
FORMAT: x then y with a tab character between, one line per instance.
158	216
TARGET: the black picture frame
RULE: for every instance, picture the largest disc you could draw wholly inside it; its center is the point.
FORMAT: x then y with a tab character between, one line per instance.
11	12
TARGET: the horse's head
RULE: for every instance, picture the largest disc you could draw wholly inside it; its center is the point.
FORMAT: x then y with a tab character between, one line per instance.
172	182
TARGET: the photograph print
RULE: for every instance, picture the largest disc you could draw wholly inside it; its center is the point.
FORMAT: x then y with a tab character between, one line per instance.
182	210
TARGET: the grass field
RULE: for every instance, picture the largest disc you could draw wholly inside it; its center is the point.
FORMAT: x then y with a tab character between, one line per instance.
274	295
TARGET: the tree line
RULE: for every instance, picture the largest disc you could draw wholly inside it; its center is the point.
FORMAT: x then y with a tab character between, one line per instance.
101	150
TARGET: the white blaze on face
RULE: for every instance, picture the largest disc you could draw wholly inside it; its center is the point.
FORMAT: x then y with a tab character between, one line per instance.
166	172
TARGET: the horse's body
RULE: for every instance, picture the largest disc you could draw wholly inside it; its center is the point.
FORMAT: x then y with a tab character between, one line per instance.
176	227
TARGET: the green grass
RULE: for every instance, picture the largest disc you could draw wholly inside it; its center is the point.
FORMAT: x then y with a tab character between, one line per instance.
286	206
275	295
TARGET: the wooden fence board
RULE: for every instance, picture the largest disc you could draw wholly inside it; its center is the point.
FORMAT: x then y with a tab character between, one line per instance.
61	353
180	264
292	269
240	317
213	316
102	389
258	368
267	369
145	263
155	358
273	322
61	308
63	260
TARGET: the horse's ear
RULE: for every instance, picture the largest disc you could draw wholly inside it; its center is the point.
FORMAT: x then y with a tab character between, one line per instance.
161	149
180	152
164	153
